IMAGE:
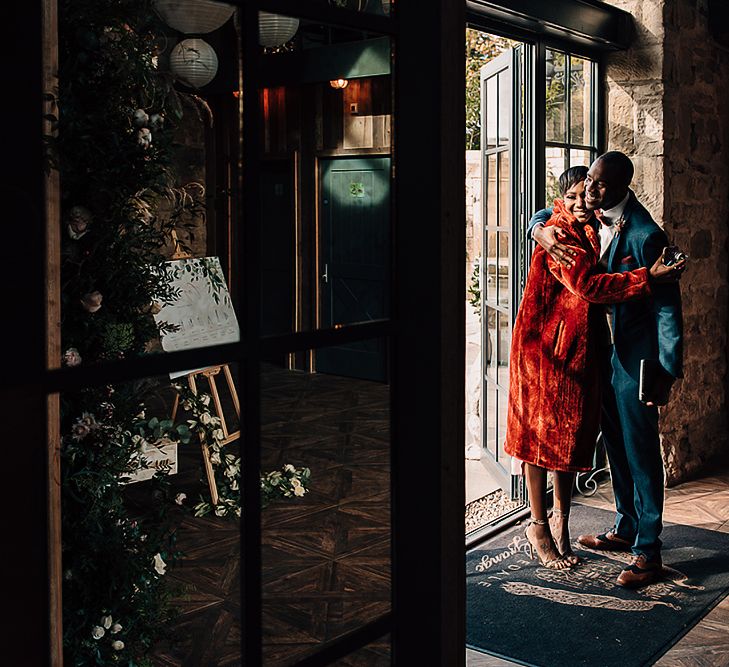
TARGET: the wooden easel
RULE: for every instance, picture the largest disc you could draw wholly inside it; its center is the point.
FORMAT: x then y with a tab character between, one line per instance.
211	374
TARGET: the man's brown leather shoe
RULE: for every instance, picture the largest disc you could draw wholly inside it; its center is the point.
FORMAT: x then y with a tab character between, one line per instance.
606	542
641	572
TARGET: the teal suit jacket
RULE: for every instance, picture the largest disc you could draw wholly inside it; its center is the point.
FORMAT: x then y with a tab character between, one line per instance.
650	328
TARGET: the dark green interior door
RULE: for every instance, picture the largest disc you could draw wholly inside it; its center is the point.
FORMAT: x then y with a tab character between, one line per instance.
354	259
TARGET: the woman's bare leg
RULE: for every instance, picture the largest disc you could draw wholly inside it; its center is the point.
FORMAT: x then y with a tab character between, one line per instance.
538	531
559	523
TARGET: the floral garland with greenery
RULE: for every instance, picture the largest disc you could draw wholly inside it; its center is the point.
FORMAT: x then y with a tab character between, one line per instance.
289	482
114	148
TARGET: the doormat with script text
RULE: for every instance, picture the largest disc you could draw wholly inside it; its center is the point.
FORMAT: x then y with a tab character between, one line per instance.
531	615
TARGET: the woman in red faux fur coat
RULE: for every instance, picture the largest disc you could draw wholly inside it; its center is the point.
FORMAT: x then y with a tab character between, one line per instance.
554	391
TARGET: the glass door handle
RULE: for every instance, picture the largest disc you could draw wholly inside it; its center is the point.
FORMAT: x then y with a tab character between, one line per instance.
325	275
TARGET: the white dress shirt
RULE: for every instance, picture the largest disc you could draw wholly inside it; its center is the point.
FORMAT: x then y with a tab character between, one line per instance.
608	229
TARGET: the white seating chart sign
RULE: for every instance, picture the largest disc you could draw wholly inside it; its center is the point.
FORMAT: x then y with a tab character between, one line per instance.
202	312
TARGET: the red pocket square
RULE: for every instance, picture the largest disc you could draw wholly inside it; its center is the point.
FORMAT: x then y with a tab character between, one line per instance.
627	259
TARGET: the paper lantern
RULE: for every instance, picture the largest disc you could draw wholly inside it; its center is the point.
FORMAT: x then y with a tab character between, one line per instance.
274	29
194	62
194	16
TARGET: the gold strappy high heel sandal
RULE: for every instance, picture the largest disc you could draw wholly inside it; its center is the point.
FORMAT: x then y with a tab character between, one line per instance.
556	563
565	549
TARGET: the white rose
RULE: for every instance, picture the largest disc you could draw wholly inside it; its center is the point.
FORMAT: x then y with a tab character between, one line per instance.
117	627
206	418
98	632
71	357
144	137
289	468
295	482
159	565
140	118
234	485
219	510
106	621
299	490
215	458
78	220
180	498
205	399
117	645
218	434
91	301
80	430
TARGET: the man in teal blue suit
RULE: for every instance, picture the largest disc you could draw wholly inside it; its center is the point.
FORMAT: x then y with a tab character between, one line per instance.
644	329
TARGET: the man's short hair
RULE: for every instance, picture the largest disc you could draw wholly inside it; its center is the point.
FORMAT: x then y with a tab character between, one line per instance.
568	178
621	163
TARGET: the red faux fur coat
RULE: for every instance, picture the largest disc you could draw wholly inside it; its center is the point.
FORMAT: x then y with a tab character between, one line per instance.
554	385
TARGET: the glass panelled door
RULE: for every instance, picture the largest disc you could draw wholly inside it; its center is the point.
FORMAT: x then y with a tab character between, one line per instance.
570	116
500	146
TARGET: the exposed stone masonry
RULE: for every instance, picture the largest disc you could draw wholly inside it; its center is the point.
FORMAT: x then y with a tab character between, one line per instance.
668	108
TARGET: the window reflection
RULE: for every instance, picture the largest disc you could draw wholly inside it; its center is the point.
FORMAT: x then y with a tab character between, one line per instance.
556	163
556	111
580	101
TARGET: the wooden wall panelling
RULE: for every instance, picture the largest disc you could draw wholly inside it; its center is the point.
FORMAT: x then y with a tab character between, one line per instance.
308	194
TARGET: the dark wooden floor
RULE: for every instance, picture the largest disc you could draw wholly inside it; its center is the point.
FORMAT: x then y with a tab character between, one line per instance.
326	556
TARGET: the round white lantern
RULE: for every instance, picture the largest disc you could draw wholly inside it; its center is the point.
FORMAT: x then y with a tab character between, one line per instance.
274	29
194	16
194	62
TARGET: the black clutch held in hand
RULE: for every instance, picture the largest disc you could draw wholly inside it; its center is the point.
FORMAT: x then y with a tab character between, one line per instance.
655	382
673	255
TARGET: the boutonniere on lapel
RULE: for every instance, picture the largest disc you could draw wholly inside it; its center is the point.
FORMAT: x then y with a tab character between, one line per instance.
619	224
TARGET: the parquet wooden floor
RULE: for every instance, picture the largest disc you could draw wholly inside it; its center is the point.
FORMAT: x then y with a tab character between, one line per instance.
703	503
325	557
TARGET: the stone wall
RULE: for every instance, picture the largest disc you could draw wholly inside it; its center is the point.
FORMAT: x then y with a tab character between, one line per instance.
667	107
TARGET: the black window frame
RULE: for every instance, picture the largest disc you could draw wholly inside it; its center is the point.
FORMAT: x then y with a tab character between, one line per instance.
427	334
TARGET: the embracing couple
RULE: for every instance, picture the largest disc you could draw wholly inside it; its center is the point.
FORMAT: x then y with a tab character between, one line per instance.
598	299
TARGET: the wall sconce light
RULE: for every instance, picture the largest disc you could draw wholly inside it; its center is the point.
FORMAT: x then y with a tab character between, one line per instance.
338	84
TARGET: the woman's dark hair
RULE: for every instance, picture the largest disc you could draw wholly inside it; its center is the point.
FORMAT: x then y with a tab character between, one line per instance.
570	177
